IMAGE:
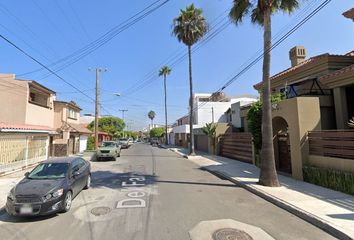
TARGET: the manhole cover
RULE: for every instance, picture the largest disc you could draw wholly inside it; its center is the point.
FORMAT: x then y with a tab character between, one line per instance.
98	211
231	234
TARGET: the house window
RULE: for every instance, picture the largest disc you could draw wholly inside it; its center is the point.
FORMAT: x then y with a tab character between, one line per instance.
39	98
72	113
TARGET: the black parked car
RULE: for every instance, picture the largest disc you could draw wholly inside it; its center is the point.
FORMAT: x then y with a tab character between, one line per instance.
50	187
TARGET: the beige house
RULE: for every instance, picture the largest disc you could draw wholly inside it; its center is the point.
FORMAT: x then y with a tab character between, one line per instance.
34	126
25	102
72	137
26	122
319	96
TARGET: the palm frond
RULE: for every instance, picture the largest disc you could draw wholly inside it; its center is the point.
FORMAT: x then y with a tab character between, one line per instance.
239	9
289	5
351	123
190	26
164	71
151	115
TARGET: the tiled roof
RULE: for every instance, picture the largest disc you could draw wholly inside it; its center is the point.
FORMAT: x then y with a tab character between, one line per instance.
105	133
338	72
291	69
351	54
308	61
80	128
15	126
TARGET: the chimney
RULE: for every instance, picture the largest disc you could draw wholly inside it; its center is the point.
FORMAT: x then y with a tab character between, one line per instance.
297	55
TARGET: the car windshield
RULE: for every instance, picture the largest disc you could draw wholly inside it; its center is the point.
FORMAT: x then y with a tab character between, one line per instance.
49	171
108	144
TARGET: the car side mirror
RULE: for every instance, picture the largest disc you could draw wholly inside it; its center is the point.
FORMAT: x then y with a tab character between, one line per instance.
26	174
76	173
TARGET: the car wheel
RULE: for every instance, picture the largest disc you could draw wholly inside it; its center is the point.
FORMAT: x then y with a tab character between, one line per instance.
88	182
67	201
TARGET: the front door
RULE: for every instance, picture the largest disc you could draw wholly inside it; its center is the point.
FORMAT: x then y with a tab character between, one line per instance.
284	153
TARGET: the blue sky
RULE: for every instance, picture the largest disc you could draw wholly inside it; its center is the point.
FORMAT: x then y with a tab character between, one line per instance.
50	30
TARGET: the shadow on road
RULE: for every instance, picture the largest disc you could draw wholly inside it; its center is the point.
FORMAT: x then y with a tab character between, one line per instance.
5	217
198	183
116	180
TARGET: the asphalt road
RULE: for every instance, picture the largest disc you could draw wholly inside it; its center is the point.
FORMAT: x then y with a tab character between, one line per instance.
153	194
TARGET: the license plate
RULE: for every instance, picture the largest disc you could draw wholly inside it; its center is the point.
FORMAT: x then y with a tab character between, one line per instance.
26	209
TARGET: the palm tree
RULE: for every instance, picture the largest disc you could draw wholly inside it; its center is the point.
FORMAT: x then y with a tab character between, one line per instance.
164	71
351	123
189	27
152	115
261	11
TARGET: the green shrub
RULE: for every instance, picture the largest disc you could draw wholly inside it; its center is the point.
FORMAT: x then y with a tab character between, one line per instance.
254	118
90	143
330	178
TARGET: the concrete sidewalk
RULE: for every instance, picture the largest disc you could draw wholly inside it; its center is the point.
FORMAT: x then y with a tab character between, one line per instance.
329	210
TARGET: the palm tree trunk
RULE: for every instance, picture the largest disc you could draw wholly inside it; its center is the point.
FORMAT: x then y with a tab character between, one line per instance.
191	138
164	84
268	175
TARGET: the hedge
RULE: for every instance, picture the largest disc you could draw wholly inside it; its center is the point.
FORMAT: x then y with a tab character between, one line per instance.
330	178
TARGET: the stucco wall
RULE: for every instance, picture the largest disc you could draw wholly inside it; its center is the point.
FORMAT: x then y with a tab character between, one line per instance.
13	99
38	115
302	114
58	116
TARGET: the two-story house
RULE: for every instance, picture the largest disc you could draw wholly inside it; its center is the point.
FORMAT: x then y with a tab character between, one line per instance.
72	137
208	108
311	125
26	121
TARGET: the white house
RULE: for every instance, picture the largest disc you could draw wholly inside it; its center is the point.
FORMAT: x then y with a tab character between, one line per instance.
208	108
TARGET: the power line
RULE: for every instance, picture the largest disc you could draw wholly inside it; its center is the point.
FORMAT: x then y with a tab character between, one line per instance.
277	43
179	58
104	39
44	66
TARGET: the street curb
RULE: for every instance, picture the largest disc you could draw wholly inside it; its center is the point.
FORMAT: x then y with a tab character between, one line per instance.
2	174
314	220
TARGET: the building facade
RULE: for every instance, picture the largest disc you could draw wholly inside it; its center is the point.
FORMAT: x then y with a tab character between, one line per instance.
208	108
72	136
26	122
319	101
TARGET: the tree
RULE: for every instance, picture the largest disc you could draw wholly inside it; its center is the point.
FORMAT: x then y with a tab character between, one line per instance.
261	11
152	115
112	125
189	27
210	130
157	132
351	123
90	145
164	71
254	118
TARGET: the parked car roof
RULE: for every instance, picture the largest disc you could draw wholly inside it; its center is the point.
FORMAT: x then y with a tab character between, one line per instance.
60	160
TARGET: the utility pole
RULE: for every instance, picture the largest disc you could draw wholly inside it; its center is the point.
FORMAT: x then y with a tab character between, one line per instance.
97	104
123	110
